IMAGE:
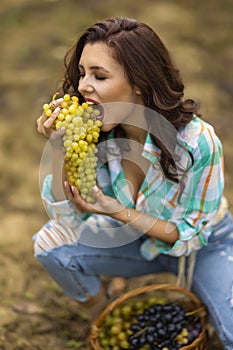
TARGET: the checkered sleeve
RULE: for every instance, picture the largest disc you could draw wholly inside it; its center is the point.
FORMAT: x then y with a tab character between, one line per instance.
62	211
200	199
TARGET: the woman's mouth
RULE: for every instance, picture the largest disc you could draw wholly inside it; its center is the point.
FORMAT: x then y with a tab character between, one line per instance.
97	106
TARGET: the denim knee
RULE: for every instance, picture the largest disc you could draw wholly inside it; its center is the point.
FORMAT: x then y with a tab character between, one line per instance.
67	271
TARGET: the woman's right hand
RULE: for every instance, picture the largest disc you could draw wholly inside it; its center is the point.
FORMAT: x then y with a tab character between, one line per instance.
44	123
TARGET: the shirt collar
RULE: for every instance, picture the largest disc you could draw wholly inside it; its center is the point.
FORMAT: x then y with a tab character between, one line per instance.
150	151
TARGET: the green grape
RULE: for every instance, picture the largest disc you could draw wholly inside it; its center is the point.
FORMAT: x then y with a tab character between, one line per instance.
124	344
113	341
139	304
116	328
79	141
116	312
182	338
126	310
108	320
117	319
122	336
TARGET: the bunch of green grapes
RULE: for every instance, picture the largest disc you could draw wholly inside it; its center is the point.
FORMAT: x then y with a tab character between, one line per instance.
82	129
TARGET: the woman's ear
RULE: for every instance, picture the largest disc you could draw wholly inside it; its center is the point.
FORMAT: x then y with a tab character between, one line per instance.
137	91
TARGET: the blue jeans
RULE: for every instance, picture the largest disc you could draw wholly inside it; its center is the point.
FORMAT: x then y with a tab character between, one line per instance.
76	268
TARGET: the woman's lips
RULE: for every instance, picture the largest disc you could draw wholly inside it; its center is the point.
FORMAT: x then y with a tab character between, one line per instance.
91	101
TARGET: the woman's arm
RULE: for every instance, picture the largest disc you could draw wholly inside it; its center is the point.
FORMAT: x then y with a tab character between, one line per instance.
105	205
160	229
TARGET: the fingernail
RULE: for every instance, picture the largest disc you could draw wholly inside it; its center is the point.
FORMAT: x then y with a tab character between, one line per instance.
63	128
95	189
56	110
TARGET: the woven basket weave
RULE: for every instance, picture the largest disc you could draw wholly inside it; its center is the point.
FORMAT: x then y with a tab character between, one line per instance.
200	343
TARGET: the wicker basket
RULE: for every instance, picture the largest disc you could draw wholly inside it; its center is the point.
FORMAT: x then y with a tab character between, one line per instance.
186	297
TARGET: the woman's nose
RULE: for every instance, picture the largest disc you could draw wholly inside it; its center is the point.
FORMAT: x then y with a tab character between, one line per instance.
85	86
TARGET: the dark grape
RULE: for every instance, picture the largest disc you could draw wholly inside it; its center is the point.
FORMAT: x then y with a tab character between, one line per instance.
134	327
150	338
168	317
151	329
171	327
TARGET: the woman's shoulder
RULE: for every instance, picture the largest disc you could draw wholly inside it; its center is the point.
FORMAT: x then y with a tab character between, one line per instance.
198	134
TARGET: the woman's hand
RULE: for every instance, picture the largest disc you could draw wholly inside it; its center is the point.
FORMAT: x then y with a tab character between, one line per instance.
44	123
104	205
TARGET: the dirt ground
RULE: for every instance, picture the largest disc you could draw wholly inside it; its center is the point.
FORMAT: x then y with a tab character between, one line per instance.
35	34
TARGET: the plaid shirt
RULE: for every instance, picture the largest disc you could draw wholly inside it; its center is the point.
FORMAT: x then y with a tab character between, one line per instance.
192	212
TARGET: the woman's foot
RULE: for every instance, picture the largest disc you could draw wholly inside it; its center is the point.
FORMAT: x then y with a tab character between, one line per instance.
95	305
116	287
102	295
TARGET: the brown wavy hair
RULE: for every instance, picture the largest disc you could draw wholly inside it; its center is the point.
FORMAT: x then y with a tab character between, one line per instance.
148	65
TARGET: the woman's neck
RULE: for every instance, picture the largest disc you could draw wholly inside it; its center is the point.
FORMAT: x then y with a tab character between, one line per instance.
136	131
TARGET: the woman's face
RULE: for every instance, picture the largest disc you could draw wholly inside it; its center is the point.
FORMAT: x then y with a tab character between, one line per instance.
103	80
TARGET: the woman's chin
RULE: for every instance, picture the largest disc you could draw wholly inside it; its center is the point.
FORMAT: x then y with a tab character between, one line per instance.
108	127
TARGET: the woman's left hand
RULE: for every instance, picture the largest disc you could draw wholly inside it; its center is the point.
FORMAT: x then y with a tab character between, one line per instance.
104	205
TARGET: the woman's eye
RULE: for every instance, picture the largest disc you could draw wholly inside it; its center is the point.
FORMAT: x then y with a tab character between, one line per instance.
99	77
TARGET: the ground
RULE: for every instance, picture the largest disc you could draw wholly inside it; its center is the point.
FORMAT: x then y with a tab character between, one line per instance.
34	314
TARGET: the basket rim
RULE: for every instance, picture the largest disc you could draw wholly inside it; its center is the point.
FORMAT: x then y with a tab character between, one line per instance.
96	326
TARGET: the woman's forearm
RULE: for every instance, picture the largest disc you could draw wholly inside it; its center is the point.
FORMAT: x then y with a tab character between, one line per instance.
157	228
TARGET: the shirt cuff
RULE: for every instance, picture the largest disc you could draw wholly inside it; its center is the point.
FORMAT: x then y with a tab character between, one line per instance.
61	210
182	247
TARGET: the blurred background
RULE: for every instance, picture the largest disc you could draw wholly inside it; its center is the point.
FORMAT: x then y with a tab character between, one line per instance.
35	35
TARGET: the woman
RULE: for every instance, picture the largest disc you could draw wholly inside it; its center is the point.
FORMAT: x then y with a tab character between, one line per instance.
160	179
